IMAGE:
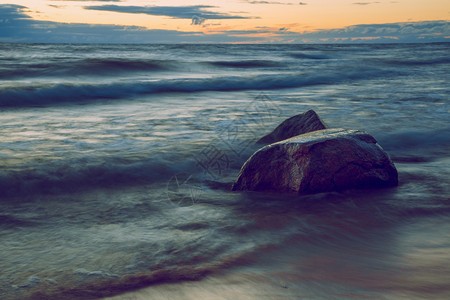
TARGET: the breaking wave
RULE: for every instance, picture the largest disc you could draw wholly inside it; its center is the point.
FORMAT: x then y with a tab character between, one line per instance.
53	94
89	66
71	176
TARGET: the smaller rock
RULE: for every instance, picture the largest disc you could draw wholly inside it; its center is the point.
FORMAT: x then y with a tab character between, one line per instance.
296	125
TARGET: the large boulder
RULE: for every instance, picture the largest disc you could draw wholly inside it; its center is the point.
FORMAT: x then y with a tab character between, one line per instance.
319	161
296	125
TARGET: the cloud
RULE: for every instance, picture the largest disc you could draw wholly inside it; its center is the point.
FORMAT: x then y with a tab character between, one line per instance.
13	11
408	32
179	12
17	26
13	22
63	6
196	20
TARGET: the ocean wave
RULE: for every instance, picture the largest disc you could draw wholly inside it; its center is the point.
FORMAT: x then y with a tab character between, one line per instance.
308	56
246	64
72	177
412	140
9	221
53	94
415	146
418	62
107	285
90	67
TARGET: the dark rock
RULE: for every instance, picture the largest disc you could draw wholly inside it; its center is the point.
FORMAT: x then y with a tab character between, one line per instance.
319	161
296	125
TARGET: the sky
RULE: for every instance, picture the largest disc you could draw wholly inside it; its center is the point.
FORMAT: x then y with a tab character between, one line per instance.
224	21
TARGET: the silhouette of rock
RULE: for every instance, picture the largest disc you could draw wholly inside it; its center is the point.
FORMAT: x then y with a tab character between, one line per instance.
319	161
296	125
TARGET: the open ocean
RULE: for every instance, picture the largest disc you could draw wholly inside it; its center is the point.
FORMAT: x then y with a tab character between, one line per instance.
116	165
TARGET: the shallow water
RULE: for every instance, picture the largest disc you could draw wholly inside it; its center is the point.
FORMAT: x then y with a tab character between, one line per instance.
116	163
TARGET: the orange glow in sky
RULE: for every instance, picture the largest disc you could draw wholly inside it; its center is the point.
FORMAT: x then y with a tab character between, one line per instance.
303	16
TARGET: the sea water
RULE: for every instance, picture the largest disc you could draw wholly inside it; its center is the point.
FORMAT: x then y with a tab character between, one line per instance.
116	163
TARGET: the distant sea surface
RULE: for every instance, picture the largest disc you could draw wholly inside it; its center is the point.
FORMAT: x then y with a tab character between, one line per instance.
116	163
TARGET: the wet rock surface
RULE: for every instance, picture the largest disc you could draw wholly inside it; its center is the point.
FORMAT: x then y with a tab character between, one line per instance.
296	125
319	161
